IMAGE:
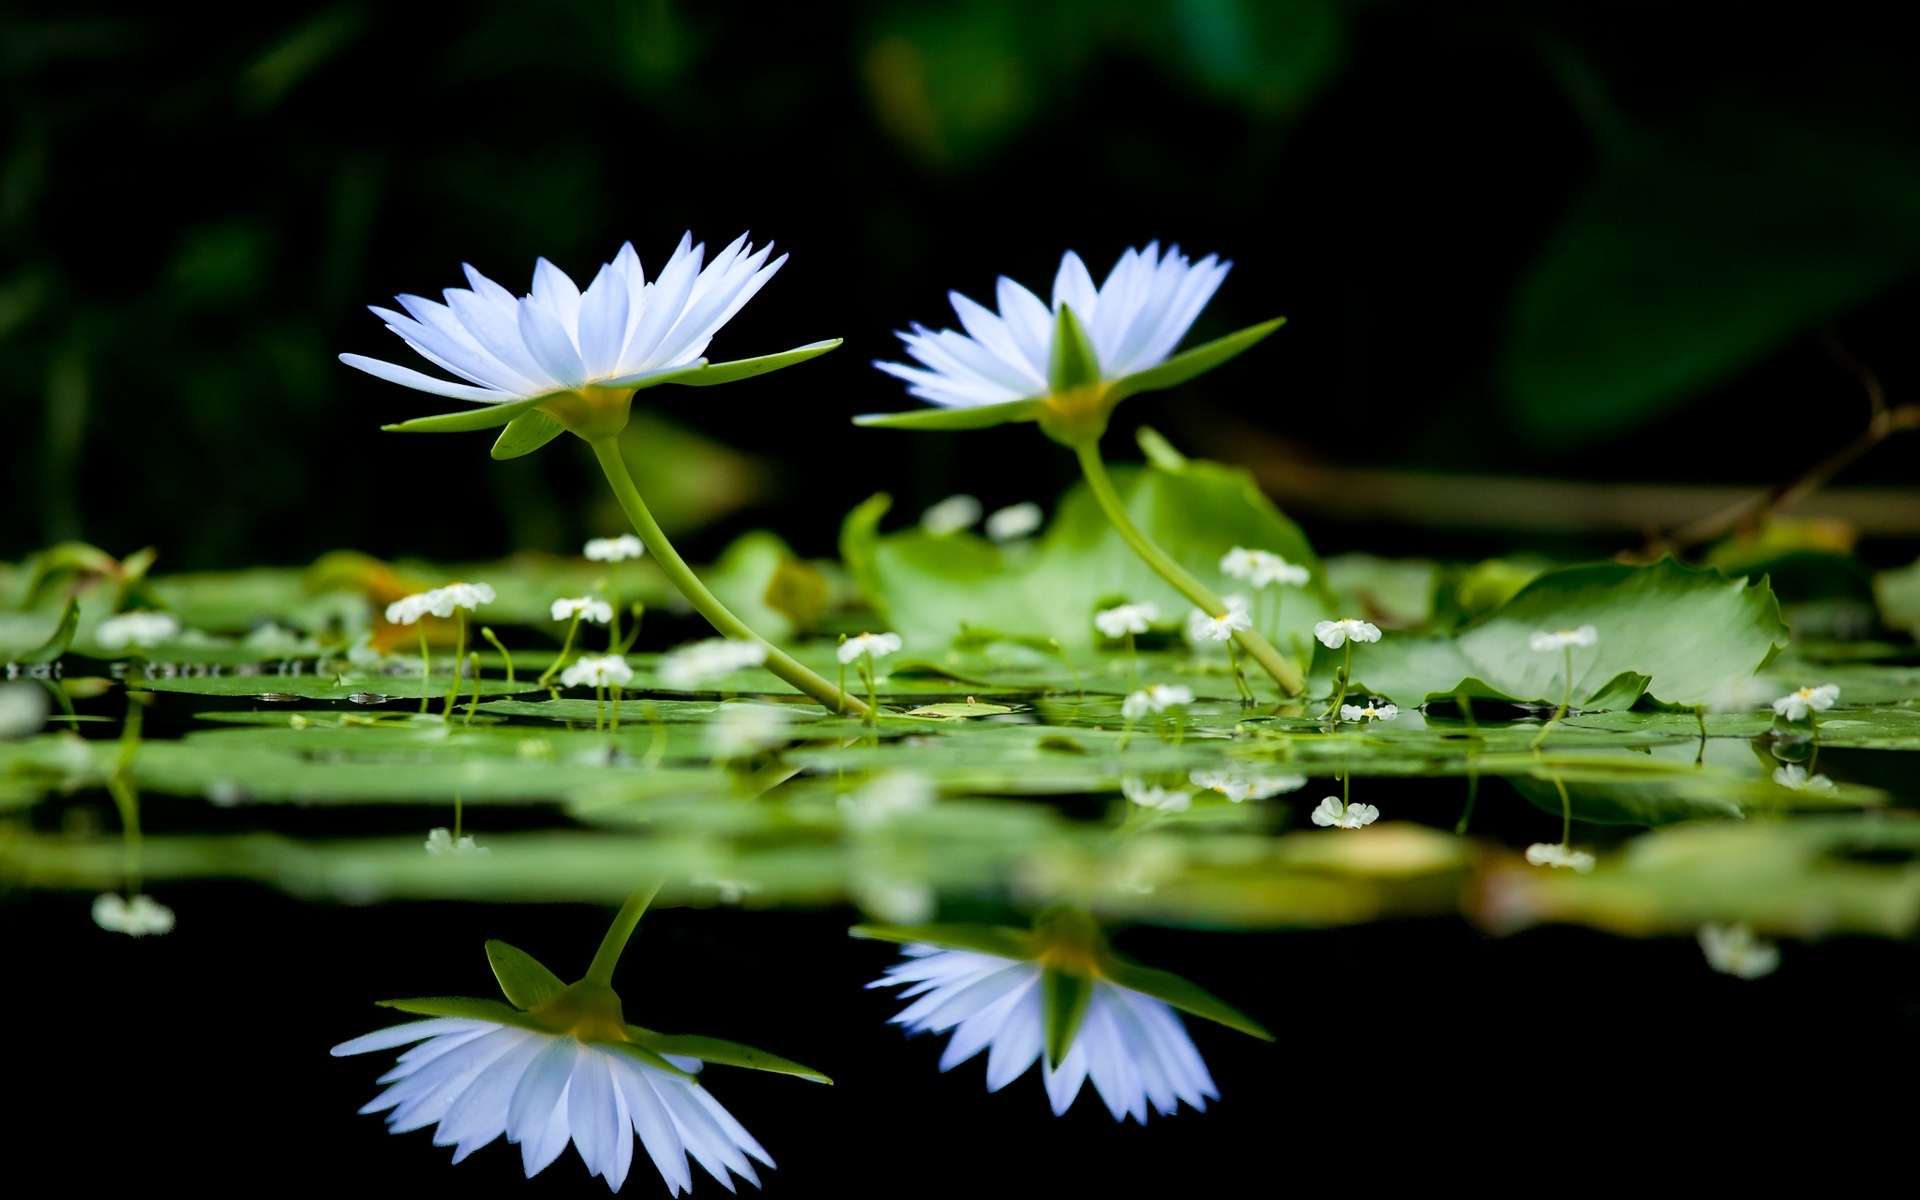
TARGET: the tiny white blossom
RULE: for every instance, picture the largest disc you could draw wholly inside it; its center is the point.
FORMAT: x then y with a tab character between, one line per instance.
439	602
1733	950
1238	562
1586	635
879	645
950	516
23	709
1795	706
701	662
587	608
1796	777
1015	521
1154	698
1344	816
1123	619
137	917
744	730
1262	568
1368	712
1335	634
141	629
1158	799
1204	628
614	549
441	844
598	671
1554	854
1244	787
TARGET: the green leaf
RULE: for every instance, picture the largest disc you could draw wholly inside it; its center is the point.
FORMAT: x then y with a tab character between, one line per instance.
526	433
462	1006
998	940
526	982
58	641
1064	998
1183	995
1073	365
952	711
489	416
1193	363
746	368
719	1050
984	416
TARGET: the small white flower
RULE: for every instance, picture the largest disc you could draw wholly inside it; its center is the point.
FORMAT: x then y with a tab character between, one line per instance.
1335	634
879	645
587	608
950	516
614	549
1554	854
1242	787
1123	619
1586	635
1795	706
440	844
1368	712
1262	568
1158	799
744	730
23	709
408	609
477	1080
439	602
1204	628
1344	816
137	917
598	671
704	661
1733	950
1795	777
1015	521
143	629
1239	562
887	796
1133	1046
1155	698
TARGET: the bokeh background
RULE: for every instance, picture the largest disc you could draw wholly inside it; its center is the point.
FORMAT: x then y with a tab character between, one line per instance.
1623	242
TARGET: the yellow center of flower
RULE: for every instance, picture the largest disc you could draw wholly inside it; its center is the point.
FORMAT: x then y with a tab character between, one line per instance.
591	411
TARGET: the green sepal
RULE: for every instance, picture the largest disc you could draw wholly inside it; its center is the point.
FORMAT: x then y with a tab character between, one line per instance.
526	982
526	433
468	1007
984	416
1183	995
1195	362
982	939
1064	999
62	637
491	416
708	374
646	1057
719	1050
1074	364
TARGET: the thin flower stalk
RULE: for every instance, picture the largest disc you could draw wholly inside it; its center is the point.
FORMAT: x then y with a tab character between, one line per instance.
1563	640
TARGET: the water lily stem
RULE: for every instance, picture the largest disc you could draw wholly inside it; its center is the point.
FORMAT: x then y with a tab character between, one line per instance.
459	660
1276	664
1566	702
607	450
1566	813
486	631
566	648
1340	685
607	957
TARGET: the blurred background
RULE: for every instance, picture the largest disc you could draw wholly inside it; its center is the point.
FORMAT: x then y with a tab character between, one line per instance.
1523	247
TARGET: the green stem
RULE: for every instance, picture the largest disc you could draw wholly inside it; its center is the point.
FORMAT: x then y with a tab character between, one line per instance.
473	663
1340	685
1566	813
1078	687
426	663
566	648
1271	660
486	631
1566	702
459	659
782	664
125	798
608	956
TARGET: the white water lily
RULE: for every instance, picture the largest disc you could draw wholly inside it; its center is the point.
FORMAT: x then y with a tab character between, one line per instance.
442	844
1368	712
1151	796
1132	322
141	629
950	516
1202	627
477	1080
1795	705
1560	639
1558	854
1335	634
23	709
137	917
1123	619
598	671
1795	777
618	332
614	549
587	608
1237	787
1734	950
1262	568
1155	698
879	645
1334	812
743	730
1131	1045
440	602
1015	521
704	661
